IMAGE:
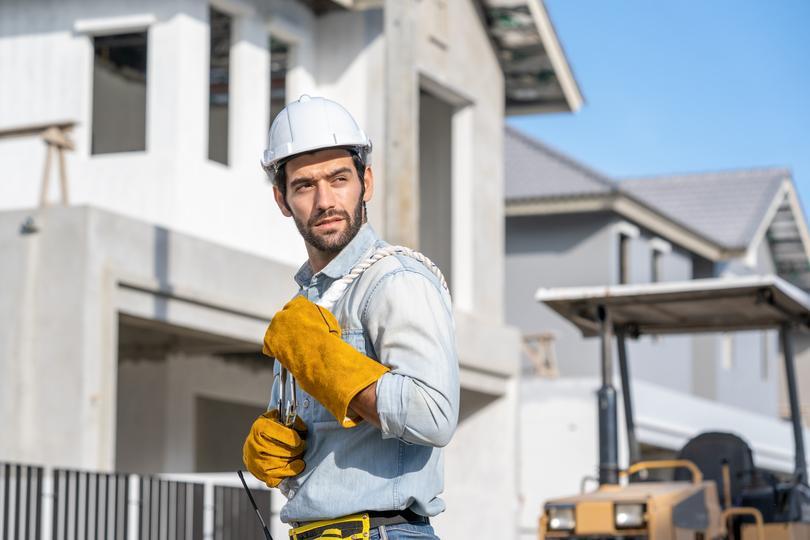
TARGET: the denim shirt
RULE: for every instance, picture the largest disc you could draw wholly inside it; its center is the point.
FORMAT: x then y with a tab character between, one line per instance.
397	313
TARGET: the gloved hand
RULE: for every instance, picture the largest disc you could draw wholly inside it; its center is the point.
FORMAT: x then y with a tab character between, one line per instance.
305	338
272	451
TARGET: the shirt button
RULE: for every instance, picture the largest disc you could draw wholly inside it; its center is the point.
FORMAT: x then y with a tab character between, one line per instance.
306	403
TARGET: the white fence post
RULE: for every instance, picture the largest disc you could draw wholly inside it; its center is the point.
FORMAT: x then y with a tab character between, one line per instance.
133	503
46	501
208	510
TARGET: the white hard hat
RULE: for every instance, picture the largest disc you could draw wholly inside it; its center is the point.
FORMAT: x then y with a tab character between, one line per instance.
312	123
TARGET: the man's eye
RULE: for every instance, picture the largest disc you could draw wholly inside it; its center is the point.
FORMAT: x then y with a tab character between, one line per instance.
302	187
340	179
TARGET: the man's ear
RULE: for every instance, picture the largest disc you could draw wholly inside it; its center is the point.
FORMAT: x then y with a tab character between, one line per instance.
368	182
282	204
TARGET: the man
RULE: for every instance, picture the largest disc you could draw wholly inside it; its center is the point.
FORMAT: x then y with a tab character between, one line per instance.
377	379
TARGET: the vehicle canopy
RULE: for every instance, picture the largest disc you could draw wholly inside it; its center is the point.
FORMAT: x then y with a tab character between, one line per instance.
702	305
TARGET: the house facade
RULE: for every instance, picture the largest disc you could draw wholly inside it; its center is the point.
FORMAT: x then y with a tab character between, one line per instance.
143	258
568	225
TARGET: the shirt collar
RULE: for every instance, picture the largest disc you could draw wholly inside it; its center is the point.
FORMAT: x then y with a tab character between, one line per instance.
348	257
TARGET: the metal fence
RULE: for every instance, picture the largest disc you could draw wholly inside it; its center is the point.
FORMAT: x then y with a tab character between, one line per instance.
88	505
20	501
234	518
170	510
39	503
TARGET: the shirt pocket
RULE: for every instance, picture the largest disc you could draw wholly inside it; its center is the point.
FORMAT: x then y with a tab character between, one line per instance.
355	337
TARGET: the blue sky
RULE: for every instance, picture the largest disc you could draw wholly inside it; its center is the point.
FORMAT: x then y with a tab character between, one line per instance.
685	86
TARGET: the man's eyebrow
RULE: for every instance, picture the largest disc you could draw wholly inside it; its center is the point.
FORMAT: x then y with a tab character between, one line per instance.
301	180
339	170
309	179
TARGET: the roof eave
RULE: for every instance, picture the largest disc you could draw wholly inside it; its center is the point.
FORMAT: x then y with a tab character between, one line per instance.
556	54
631	209
537	75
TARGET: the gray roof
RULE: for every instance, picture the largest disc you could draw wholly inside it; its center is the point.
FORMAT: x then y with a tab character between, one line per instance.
536	171
727	207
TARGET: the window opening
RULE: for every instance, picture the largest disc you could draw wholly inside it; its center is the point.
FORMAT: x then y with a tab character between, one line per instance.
435	181
279	64
219	85
119	93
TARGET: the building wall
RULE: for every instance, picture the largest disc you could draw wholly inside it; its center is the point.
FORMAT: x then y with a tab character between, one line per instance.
59	344
162	427
556	251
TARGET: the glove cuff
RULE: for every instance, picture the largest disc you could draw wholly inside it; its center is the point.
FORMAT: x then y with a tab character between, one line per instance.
350	371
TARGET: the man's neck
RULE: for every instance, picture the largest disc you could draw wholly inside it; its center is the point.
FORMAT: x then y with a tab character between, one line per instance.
319	259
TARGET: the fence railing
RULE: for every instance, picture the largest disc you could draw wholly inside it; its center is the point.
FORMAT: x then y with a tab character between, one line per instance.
41	503
20	501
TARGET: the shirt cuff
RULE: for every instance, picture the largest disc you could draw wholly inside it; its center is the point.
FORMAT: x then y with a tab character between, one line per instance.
390	405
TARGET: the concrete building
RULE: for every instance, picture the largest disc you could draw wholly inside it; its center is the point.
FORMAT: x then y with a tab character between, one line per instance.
568	225
132	312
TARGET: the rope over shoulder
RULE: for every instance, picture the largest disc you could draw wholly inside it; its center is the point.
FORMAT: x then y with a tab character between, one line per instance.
287	402
336	290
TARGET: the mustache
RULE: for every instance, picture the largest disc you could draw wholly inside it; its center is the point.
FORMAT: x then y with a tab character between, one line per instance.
327	214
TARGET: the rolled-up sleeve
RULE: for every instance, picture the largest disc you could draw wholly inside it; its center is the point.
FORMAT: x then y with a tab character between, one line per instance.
410	323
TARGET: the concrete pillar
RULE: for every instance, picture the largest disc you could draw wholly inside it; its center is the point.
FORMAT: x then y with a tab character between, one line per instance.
189	87
250	93
402	124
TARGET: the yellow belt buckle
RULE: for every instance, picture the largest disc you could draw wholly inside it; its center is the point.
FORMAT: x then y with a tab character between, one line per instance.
330	529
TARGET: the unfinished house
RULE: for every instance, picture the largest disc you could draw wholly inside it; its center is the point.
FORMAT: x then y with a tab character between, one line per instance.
143	255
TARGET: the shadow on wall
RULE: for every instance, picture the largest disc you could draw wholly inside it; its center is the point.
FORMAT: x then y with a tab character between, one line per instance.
472	402
161	272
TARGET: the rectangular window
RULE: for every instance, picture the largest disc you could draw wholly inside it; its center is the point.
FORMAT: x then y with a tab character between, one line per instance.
219	85
279	64
624	259
119	93
435	181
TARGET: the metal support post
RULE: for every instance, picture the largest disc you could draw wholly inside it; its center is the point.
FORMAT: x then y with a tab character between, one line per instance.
606	396
793	395
630	423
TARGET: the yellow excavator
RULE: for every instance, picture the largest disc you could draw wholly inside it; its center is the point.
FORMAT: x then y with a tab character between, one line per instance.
717	492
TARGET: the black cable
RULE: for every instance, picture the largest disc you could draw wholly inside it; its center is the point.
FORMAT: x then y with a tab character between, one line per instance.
255	507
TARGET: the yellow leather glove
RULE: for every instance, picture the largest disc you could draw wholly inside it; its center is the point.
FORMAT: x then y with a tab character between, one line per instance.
272	451
305	338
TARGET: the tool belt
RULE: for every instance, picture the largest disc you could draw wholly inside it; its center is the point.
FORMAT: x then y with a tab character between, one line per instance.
354	527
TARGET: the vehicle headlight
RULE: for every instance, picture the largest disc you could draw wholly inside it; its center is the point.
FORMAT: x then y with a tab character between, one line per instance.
629	516
561	518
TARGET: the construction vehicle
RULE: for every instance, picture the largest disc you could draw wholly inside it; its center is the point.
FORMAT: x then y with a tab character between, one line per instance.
716	493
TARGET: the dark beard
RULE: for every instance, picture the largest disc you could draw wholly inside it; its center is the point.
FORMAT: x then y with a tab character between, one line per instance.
332	243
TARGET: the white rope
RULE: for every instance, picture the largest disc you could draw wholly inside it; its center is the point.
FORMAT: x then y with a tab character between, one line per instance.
287	403
336	290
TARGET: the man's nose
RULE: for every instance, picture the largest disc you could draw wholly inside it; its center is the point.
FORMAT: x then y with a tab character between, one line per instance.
324	197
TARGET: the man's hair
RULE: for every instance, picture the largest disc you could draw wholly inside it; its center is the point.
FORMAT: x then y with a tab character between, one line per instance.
279	177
